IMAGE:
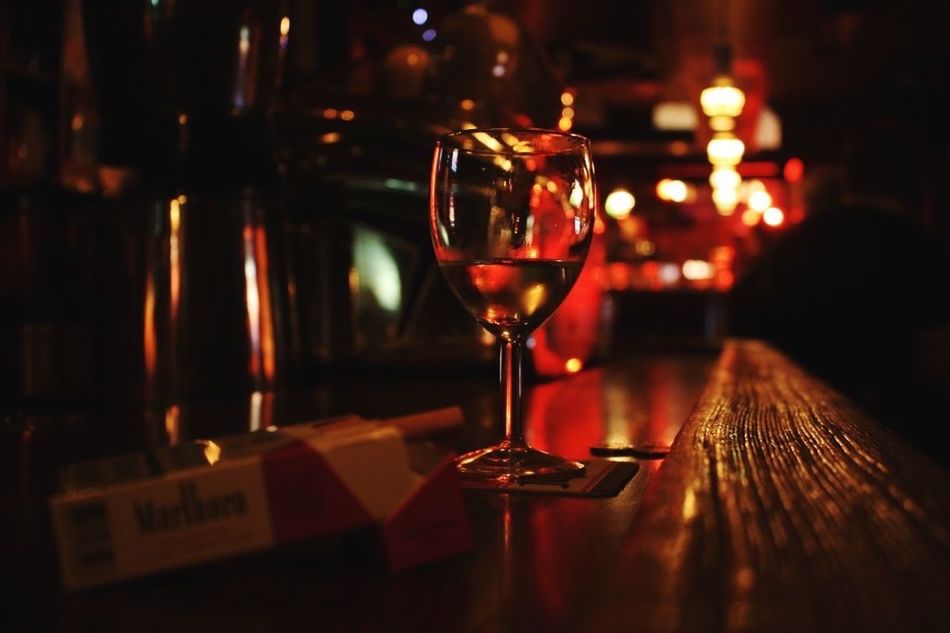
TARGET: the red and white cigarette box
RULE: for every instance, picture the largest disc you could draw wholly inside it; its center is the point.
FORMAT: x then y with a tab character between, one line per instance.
143	513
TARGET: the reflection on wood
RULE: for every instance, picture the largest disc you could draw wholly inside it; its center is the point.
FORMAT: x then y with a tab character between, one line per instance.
784	508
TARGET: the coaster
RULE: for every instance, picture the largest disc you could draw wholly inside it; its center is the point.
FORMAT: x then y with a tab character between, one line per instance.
602	478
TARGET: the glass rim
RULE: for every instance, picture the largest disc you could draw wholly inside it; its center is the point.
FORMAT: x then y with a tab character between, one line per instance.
580	141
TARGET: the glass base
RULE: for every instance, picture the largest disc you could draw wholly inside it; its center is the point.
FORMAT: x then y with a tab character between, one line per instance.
508	463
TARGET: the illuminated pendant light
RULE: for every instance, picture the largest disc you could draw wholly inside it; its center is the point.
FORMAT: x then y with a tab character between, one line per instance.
725	150
722	99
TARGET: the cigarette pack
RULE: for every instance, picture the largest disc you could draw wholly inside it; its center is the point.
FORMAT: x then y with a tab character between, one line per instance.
151	511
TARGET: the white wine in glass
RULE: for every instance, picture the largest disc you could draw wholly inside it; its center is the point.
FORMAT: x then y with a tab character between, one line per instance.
512	215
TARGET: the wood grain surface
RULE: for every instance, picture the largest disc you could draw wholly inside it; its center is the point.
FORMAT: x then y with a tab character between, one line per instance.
784	508
781	507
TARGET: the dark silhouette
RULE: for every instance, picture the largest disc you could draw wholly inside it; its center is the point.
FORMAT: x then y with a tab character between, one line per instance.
858	292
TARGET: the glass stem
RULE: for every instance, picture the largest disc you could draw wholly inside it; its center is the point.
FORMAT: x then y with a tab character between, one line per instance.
512	391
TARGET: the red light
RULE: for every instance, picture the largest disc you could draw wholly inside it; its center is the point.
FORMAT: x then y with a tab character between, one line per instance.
723	255
725	279
794	170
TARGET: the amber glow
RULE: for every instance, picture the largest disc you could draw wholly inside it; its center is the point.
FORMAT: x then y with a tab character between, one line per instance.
258	304
645	248
252	301
173	424
697	270
149	340
347	115
534	296
174	257
725	178
725	200
722	255
722	124
489	141
773	216
759	200
725	149
564	124
722	98
751	217
567	99
330	113
467	104
619	203
725	279
285	26
329	138
675	115
689	505
673	190
573	365
212	452
268	351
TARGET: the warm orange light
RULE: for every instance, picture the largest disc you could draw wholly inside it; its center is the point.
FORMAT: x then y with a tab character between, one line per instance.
212	452
174	256
675	115
568	113
697	270
173	424
619	203
268	341
564	124
329	138
467	104
722	124
725	149
759	200
725	279
252	303
330	113
725	200
674	190
645	248
567	99
722	256
722	98
669	274
773	216
725	178
77	122
347	115
573	365
751	217
284	26
149	336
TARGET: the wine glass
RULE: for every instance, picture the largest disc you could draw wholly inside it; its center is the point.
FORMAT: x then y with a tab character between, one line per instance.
511	212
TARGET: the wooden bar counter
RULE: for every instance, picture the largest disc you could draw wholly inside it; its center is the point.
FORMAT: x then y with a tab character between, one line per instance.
781	507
